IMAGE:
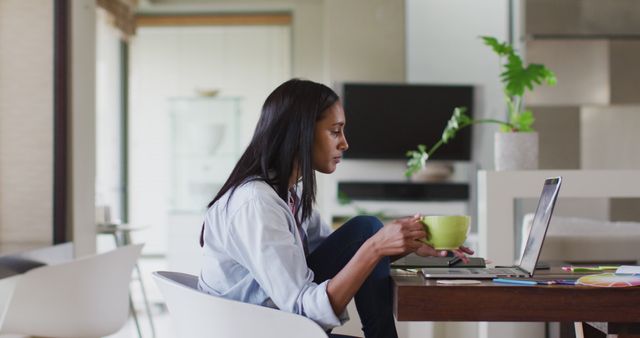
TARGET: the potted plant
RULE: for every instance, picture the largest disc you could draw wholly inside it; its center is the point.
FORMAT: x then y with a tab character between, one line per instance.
517	130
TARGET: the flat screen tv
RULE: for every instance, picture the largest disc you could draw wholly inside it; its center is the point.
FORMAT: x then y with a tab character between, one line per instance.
386	120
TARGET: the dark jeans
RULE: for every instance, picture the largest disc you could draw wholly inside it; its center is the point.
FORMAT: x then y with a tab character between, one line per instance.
374	298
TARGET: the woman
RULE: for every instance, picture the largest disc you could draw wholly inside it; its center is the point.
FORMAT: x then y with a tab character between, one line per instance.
263	242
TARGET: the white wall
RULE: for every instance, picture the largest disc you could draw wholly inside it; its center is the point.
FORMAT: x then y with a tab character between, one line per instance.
307	44
26	121
364	40
108	115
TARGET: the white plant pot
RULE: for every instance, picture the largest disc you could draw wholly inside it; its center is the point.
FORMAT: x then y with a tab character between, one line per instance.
516	151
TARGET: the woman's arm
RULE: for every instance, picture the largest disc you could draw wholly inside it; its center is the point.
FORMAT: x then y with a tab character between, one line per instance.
399	237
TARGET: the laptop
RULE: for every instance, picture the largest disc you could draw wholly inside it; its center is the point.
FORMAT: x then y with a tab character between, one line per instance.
532	249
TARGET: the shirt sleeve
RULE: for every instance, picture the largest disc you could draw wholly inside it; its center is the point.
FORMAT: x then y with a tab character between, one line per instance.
317	230
263	241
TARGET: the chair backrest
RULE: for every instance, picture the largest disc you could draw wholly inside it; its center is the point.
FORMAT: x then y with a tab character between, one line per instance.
197	314
87	297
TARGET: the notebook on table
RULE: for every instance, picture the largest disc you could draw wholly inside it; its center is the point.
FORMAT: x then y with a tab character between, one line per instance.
532	249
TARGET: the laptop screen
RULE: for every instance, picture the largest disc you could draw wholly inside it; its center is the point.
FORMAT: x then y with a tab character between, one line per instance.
540	224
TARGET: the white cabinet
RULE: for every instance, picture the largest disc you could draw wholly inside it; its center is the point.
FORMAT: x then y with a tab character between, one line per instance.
205	144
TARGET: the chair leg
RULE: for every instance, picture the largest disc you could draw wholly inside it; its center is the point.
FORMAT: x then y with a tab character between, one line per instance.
135	316
579	329
146	302
122	240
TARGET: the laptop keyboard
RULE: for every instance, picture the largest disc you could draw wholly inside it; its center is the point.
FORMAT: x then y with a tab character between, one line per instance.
497	271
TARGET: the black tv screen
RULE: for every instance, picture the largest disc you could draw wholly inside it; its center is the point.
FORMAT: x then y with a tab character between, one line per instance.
386	120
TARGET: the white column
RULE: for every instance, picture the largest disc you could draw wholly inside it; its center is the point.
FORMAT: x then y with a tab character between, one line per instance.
82	119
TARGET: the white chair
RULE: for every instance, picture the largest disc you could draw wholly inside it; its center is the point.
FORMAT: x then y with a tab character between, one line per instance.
87	297
197	314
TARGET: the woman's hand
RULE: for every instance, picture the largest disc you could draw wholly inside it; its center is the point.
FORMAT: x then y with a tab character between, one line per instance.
399	237
426	250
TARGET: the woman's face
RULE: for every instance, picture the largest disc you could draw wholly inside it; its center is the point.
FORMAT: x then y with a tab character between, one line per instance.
329	141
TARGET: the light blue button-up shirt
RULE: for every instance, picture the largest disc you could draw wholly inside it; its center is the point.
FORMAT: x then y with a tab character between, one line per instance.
253	253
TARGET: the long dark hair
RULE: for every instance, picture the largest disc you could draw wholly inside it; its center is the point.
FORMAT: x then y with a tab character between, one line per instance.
284	134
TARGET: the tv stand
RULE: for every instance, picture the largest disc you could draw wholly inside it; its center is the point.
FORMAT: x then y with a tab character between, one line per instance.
404	191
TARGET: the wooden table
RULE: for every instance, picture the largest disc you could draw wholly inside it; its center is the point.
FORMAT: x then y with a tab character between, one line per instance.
419	299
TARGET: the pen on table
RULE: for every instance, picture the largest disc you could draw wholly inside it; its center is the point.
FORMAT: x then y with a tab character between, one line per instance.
454	261
546	282
565	281
514	281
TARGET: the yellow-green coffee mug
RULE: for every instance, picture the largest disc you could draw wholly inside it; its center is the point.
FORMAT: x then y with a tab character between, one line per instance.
446	232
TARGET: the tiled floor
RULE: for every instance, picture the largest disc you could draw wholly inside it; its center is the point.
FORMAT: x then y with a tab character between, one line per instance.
162	325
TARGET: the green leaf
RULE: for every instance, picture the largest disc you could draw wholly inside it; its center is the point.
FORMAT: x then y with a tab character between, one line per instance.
523	121
505	129
458	120
502	49
343	198
549	77
378	214
361	211
516	77
417	160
